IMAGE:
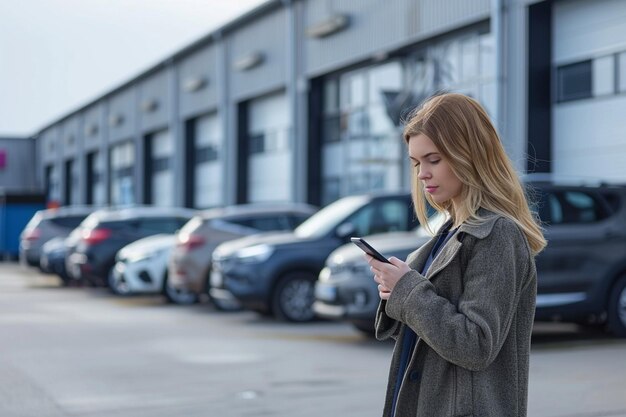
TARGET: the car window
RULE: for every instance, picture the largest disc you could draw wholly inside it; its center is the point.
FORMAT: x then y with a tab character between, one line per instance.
570	207
613	200
159	225
295	219
381	217
263	223
68	222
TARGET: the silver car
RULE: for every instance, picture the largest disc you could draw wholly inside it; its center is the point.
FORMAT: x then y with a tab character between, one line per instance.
48	224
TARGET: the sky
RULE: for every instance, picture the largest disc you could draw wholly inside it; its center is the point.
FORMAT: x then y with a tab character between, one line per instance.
58	55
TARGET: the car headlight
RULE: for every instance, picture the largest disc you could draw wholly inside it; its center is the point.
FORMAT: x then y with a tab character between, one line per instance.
257	253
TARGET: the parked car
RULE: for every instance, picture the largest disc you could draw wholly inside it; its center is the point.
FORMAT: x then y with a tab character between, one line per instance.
346	290
581	273
141	268
106	231
190	262
48	224
52	259
275	273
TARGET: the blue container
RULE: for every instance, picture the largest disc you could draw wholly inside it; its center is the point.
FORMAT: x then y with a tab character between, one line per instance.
15	212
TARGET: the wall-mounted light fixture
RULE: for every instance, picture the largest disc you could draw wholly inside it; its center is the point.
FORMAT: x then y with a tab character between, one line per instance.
249	61
149	105
116	120
194	83
91	130
332	24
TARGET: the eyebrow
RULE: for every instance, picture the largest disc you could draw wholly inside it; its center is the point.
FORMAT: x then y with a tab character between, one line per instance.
425	156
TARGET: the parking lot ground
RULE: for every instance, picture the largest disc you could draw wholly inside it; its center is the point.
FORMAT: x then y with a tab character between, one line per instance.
84	352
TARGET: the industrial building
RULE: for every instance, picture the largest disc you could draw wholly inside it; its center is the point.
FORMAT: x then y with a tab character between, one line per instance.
302	100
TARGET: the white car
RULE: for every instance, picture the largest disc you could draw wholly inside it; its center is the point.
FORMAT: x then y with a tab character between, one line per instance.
141	268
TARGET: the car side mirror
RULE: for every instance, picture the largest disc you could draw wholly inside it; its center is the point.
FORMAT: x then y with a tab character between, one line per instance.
345	229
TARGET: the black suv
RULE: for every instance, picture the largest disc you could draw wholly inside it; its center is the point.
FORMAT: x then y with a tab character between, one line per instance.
275	273
106	231
581	273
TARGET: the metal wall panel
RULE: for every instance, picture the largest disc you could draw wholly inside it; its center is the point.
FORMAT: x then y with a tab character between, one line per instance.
71	136
154	102
197	83
18	173
266	36
50	145
92	131
440	15
585	29
122	115
376	26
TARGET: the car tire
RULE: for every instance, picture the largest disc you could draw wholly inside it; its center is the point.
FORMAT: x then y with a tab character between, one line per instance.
176	296
117	284
617	308
293	296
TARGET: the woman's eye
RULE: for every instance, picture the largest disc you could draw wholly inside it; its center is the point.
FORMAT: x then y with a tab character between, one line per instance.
435	162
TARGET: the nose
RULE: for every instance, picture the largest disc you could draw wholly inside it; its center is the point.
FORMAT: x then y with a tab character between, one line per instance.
423	174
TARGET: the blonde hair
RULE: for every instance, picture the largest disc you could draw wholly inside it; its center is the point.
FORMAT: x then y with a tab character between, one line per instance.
463	133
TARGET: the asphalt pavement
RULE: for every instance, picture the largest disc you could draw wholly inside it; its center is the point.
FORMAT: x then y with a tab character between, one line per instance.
69	352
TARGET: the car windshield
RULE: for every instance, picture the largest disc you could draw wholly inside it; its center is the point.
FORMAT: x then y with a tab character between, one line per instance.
329	217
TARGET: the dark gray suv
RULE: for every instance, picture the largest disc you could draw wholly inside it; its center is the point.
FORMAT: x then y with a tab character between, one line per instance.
581	273
275	273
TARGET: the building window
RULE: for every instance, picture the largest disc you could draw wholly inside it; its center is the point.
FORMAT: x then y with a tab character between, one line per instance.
603	76
95	180
160	149
122	162
208	168
269	156
621	78
574	81
361	148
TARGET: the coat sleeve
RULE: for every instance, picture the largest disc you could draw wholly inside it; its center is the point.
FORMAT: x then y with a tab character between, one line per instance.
385	327
471	333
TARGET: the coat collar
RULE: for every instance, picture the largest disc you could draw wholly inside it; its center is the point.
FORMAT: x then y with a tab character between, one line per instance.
451	249
480	230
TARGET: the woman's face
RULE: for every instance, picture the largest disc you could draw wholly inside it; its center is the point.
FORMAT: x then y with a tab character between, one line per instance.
433	170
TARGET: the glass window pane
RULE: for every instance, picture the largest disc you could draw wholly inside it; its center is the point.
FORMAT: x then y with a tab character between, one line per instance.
487	56
384	78
469	59
574	81
603	71
622	72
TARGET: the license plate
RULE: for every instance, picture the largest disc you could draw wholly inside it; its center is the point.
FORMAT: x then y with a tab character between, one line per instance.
216	279
325	293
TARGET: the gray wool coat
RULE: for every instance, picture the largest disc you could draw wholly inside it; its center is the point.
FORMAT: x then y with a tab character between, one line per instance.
473	314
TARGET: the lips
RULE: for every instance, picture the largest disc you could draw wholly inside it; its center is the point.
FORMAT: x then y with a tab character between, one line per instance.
430	188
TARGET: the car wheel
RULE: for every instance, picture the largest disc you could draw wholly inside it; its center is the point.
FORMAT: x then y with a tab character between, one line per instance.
177	296
117	283
293	297
617	308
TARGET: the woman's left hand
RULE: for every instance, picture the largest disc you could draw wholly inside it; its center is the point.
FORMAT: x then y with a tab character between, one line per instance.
387	275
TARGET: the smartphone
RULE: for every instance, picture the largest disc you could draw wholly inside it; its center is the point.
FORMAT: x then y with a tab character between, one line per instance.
367	248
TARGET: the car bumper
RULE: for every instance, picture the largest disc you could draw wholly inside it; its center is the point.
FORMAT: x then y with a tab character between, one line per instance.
186	277
346	299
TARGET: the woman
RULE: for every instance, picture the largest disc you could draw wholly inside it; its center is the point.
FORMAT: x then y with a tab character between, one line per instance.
461	308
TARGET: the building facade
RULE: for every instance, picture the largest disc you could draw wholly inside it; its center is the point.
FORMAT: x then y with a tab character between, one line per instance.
302	100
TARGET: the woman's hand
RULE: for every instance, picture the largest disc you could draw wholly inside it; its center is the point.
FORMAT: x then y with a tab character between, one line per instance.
387	275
